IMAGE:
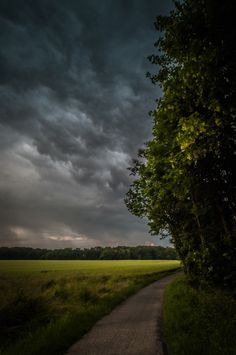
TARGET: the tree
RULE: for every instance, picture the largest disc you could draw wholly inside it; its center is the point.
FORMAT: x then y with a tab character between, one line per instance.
186	175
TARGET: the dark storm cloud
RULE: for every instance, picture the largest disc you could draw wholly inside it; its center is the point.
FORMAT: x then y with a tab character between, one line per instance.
73	112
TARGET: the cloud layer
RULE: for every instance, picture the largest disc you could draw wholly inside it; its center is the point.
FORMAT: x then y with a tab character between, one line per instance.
73	113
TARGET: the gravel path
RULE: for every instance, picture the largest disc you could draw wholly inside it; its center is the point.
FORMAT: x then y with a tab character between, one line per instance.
132	328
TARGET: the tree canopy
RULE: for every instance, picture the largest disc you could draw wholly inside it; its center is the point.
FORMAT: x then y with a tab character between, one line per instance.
186	175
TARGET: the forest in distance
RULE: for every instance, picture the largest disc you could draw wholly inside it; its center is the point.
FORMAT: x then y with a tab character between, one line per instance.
96	253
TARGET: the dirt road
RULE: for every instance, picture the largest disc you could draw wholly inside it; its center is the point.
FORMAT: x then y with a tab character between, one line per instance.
132	328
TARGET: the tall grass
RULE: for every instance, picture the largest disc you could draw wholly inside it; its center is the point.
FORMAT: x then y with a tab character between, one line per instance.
199	322
45	307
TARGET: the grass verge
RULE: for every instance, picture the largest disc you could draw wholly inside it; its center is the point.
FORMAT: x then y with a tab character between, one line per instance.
199	321
45	312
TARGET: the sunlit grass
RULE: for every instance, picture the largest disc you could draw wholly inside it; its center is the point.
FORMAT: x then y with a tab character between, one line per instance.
94	266
47	305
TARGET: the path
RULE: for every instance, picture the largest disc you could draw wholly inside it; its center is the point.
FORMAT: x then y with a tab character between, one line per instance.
132	328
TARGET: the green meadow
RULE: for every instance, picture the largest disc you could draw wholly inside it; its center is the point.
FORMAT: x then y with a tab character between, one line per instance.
45	306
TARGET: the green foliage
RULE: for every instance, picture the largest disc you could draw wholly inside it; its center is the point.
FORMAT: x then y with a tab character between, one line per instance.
45	312
199	322
186	175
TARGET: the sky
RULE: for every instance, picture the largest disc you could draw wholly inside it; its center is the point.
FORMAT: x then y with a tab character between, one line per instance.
74	103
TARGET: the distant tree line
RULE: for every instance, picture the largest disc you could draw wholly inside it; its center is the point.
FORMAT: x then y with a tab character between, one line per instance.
96	253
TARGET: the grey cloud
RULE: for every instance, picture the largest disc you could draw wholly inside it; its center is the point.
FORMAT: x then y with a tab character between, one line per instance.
73	113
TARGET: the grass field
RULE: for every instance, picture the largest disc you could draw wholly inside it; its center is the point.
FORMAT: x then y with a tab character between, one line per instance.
47	305
199	321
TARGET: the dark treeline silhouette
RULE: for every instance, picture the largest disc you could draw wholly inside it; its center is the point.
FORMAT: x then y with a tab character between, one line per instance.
96	253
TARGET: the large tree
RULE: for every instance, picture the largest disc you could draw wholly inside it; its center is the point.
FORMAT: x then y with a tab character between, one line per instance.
186	176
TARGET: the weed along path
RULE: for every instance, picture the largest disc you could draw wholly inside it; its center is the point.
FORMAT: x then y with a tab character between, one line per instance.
132	328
